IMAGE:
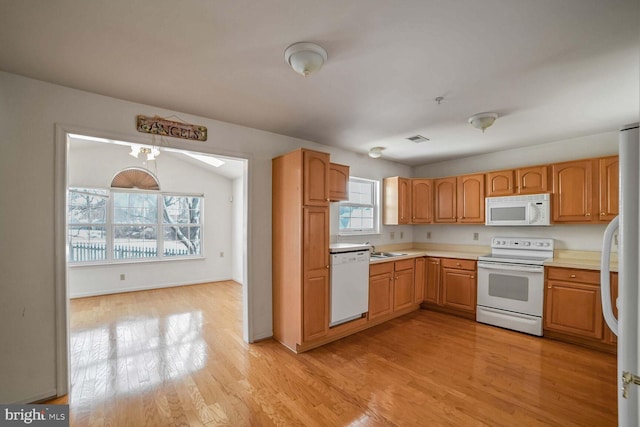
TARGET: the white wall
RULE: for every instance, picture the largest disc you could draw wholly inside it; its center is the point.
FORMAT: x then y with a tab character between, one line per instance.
95	164
29	113
237	248
574	237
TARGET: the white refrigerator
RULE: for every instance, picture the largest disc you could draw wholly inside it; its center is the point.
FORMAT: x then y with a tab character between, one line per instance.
626	327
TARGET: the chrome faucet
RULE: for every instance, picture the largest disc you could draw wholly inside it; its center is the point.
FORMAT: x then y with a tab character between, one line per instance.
373	247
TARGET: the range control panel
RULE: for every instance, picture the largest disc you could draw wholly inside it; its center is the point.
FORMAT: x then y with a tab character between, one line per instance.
528	243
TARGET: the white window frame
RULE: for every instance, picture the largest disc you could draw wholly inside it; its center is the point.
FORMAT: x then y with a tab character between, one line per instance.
109	229
375	206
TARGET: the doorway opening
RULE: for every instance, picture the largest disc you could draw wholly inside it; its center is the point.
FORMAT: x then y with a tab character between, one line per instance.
121	237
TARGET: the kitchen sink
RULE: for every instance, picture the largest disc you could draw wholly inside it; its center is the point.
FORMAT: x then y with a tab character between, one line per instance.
386	254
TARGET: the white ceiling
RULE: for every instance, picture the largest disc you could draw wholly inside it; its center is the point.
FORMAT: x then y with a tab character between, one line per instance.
551	69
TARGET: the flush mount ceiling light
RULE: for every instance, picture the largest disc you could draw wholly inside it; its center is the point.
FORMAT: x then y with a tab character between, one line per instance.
376	152
305	58
482	120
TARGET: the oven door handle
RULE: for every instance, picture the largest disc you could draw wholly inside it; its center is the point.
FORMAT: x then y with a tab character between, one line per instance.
512	267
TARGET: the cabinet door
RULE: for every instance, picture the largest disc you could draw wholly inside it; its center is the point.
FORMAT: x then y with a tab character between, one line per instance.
459	289
397	201
609	190
315	256
421	272
404	192
572	191
403	288
573	308
609	336
316	178
432	281
422	201
445	199
380	295
338	182
500	183
471	199
532	180
315	303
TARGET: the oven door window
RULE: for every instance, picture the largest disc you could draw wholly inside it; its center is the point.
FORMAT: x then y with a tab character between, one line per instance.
509	287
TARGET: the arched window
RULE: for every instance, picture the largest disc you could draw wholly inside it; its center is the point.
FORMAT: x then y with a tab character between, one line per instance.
139	178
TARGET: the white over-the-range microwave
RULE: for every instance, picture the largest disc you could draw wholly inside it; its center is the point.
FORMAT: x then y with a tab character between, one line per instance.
526	210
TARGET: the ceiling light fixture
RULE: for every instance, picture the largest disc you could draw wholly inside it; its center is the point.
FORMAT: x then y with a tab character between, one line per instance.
305	58
482	120
150	152
376	152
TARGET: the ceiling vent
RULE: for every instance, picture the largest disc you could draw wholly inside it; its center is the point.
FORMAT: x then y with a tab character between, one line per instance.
418	138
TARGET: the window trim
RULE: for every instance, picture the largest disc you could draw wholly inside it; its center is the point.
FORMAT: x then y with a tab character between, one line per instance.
109	229
376	210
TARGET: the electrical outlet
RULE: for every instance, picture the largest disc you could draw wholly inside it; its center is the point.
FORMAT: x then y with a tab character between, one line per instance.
428	234
221	254
475	236
122	276
392	235
402	234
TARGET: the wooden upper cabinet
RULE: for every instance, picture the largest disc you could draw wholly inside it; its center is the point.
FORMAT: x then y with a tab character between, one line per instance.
316	178
470	206
500	183
397	201
572	191
609	187
532	180
422	201
338	182
445	199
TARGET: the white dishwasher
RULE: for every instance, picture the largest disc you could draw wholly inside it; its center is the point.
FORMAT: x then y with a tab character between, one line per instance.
349	282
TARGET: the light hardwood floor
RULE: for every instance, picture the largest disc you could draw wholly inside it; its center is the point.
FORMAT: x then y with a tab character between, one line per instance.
176	357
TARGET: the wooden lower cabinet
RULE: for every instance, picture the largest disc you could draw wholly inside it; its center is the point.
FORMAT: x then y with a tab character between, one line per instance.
459	289
451	285
432	281
404	284
391	288
573	307
380	290
315	302
420	275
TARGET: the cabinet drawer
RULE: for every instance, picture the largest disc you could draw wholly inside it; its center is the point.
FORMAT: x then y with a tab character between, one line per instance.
460	264
380	268
574	275
405	264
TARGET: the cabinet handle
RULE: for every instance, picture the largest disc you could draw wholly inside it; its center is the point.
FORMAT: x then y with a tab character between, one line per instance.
601	213
458	264
327	266
473	277
573	276
587	214
549	287
328	200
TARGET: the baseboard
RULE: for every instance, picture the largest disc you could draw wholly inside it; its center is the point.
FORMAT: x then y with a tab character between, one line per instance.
144	288
36	398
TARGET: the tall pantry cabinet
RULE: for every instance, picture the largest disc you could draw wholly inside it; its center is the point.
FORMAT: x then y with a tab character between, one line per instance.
300	217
